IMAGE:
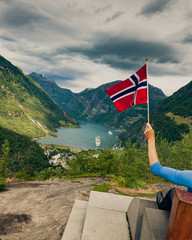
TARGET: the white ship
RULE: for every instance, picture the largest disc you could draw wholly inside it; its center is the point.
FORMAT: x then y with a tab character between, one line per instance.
110	133
97	141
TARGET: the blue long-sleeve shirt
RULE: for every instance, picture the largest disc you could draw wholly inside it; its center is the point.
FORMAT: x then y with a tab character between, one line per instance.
179	177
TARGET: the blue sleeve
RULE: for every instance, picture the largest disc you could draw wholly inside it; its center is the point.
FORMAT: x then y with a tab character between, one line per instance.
183	178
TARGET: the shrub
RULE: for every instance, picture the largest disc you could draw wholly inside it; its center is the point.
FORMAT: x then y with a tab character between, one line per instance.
24	176
3	185
50	172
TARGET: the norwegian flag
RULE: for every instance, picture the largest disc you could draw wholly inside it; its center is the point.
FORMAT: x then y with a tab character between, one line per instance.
131	91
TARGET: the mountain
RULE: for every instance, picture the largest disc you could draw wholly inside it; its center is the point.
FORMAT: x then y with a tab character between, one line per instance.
95	105
171	118
24	155
25	107
59	95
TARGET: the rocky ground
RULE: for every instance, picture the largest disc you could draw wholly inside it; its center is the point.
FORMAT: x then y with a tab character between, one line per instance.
39	210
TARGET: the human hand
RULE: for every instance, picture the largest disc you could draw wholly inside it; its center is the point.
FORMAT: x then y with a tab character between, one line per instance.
149	132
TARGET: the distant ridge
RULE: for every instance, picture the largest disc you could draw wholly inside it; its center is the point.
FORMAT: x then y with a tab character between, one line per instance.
95	105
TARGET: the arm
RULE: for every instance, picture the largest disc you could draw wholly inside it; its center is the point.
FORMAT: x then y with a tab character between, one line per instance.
152	153
183	178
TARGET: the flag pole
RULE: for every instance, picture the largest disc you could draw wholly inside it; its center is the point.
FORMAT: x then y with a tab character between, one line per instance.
147	90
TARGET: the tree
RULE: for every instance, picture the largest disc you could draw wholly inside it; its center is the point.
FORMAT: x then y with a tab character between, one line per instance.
4	159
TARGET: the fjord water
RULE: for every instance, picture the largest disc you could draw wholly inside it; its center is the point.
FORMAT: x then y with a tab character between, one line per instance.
84	137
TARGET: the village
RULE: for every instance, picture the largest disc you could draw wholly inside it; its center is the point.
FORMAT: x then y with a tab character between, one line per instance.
59	155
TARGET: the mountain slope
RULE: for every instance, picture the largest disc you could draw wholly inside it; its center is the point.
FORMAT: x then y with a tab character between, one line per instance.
180	103
59	95
25	107
171	118
95	105
25	155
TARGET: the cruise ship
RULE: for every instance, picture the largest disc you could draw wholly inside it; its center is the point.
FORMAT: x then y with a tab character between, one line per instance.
97	141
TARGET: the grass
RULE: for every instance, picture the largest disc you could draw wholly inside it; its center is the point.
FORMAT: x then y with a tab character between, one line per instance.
85	195
76	181
179	119
55	146
128	182
120	193
101	188
22	124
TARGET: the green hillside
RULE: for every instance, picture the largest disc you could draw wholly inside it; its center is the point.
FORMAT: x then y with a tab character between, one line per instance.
180	103
171	118
24	155
25	107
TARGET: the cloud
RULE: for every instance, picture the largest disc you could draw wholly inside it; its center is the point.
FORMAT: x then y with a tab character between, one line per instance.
19	16
102	9
28	20
116	15
155	6
7	38
87	43
125	53
188	39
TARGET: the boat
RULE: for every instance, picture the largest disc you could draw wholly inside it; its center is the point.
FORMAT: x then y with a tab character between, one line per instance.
110	133
97	141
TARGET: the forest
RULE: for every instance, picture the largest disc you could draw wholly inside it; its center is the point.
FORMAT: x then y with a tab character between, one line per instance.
130	167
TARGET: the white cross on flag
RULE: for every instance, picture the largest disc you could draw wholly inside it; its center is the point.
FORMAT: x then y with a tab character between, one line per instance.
131	91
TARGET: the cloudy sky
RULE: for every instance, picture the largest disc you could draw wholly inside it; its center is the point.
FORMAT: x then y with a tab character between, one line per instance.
85	43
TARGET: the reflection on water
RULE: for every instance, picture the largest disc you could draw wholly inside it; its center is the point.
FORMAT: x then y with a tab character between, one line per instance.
84	137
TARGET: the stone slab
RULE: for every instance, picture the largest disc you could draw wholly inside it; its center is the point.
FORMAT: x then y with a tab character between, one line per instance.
74	227
155	224
105	224
135	215
109	201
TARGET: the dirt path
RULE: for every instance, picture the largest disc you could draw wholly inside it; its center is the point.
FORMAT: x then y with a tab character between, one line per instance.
39	210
